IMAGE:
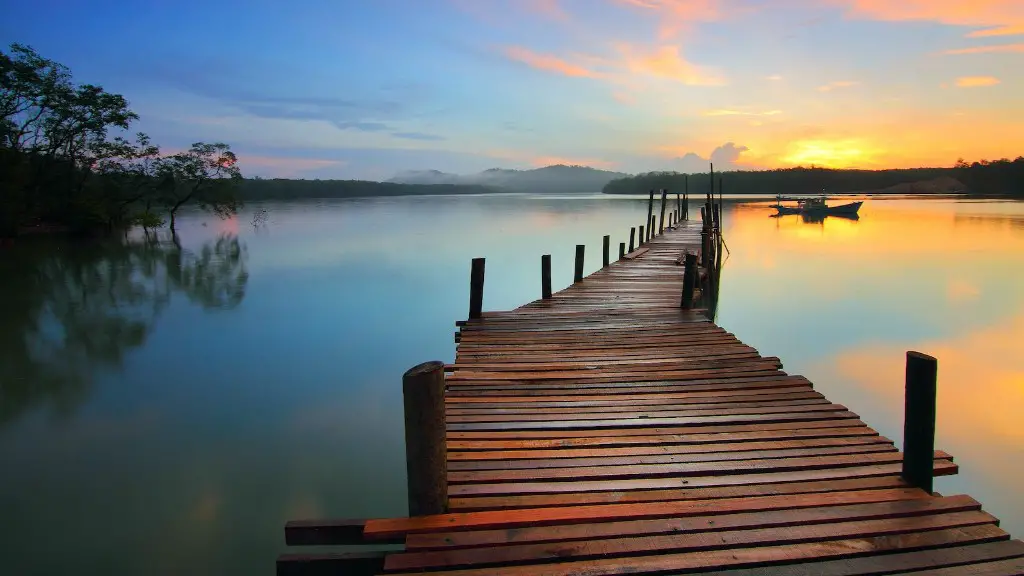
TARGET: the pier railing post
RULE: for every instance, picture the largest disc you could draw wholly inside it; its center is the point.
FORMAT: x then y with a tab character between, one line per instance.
425	449
476	289
577	275
650	227
661	221
919	421
622	250
632	234
606	251
650	214
545	276
689	280
641	236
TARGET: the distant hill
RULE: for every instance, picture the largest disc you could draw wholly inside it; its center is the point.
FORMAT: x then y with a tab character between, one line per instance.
548	180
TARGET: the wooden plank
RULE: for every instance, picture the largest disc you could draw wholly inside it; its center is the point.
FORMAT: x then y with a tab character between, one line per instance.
505	502
750	556
533	463
959	559
687	540
942	468
388	528
888	505
662	449
689	468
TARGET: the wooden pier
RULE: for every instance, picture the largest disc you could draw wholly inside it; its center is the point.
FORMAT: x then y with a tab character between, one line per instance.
607	429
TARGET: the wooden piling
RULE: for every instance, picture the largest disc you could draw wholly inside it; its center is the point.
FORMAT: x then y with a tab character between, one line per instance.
622	250
661	221
650	214
606	250
578	272
632	234
641	236
919	420
476	289
425	448
689	280
718	217
686	197
545	276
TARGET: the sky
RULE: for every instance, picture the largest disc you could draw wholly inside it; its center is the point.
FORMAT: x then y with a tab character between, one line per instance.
367	88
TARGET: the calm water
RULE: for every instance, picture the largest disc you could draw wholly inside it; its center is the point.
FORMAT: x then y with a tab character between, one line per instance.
166	411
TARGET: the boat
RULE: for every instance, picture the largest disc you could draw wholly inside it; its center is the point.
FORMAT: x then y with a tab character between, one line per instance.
815	207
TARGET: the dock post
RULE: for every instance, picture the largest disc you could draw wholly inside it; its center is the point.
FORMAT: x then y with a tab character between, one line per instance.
661	222
545	276
622	250
919	420
704	217
577	275
425	449
689	280
718	217
686	197
476	289
632	234
650	214
650	227
705	249
641	236
606	249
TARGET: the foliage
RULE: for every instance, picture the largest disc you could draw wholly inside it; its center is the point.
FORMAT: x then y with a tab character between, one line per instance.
65	160
779	181
206	174
995	178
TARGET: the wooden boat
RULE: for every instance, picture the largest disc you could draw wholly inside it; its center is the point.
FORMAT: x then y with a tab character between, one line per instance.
816	207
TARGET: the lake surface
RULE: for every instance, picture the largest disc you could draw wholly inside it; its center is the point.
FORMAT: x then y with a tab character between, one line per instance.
166	411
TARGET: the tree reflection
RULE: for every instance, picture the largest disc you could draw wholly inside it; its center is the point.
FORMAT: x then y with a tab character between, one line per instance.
70	310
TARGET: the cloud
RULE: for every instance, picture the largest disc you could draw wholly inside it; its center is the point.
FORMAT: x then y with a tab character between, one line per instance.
550	8
774	77
998	31
548	63
624	98
417	136
977	81
725	157
840	84
362	126
676	15
999	17
728	112
999	48
666	62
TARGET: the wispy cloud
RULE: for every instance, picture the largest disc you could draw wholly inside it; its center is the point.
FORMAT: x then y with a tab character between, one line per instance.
548	63
998	48
977	81
549	8
774	77
839	84
362	126
417	136
674	16
667	62
999	17
998	31
729	112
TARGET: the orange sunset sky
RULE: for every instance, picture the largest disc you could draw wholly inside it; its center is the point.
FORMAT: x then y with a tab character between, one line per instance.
365	89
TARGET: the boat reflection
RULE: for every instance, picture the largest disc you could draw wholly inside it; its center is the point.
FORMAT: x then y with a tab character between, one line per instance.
818	218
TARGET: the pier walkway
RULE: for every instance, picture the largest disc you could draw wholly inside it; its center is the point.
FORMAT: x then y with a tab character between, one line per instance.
607	431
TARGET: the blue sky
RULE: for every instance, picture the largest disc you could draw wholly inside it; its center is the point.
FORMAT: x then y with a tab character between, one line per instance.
363	89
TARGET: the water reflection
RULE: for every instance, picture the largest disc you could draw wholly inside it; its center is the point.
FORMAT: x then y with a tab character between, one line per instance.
69	310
